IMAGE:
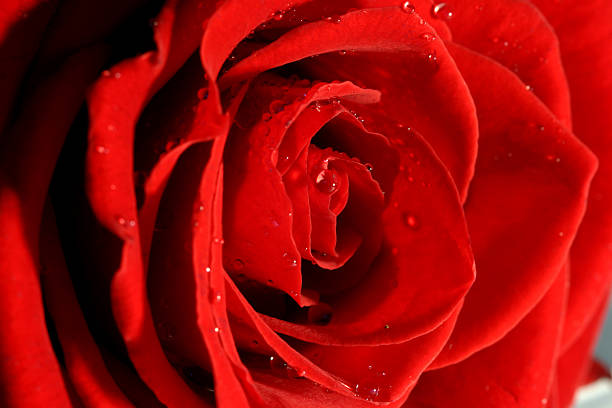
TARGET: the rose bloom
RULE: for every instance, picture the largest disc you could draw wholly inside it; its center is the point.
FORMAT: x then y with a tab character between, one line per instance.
347	203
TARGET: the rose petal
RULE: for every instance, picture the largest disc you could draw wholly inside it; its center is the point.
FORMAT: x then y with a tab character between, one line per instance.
28	156
110	185
419	351
573	363
524	207
515	34
515	372
233	21
396	300
254	183
22	24
83	361
585	37
444	105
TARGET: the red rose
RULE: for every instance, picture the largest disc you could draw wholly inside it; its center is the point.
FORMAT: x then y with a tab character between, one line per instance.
303	204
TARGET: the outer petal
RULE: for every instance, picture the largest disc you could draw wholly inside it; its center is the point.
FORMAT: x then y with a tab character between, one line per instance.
574	362
28	155
515	372
115	103
525	204
585	37
83	361
515	34
22	24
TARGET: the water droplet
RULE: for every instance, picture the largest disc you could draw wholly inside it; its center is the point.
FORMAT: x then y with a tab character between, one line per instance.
113	187
411	221
219	241
552	157
407	7
106	73
121	220
333	19
117	75
367	392
111	128
237	264
203	93
278	15
561	233
166	331
102	150
320	314
431	60
442	11
369	167
277	106
544	401
342	52
215	297
290	260
326	181
217	330
428	36
529	88
387	326
207	269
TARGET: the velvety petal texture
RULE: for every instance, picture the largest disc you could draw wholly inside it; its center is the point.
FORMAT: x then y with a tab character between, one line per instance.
303	203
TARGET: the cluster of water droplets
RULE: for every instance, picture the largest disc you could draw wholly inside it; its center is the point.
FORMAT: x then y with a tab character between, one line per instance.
374	386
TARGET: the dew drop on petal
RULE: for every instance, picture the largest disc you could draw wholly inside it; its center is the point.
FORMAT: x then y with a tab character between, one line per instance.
102	150
166	331
411	221
442	11
326	181
237	264
407	7
215	297
278	15
203	93
333	19
367	392
428	36
276	106
320	314
431	60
